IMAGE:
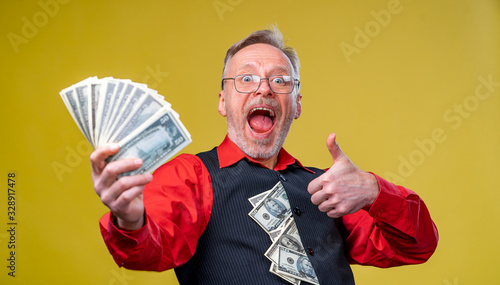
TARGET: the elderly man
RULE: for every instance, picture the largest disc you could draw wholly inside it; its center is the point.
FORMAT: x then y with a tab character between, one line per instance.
192	213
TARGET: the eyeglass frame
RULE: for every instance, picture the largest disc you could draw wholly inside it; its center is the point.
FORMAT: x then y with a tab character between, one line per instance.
295	82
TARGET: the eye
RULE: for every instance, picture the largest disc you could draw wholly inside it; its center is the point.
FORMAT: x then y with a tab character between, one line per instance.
246	79
278	80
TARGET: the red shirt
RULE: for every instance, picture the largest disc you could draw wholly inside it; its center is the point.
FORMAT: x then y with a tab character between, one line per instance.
395	230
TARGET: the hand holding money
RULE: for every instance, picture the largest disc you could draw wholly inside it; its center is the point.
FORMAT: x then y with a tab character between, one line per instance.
122	196
133	130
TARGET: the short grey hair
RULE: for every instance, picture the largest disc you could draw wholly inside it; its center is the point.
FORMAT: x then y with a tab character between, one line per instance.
271	36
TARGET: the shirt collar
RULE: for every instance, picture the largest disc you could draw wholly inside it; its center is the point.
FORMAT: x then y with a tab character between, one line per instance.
229	153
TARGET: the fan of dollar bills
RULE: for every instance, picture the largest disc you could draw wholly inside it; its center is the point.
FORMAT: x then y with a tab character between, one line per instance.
130	114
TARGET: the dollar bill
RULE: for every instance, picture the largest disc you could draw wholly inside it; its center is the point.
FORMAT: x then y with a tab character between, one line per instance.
144	109
274	269
273	210
258	198
83	100
70	100
113	109
297	265
95	88
274	234
159	141
120	106
289	238
104	106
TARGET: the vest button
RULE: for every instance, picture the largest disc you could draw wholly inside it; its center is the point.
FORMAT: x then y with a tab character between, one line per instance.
311	251
297	211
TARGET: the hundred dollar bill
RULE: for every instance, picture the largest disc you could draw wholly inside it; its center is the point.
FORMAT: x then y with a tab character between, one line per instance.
160	140
257	198
274	234
297	265
274	270
288	238
273	210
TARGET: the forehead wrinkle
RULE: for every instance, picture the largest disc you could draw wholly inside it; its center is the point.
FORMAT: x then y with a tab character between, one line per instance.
260	57
252	67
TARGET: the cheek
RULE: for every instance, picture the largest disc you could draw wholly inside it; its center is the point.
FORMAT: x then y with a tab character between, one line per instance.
235	110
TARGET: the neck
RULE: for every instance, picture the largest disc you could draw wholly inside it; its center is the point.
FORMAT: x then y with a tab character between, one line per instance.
269	162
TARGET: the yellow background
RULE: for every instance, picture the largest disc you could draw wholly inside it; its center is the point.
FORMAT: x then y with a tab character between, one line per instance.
401	85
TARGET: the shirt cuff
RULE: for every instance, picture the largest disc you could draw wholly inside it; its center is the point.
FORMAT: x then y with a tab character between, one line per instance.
389	201
123	238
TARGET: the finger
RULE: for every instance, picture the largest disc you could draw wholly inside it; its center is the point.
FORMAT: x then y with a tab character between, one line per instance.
110	195
334	213
337	212
99	155
126	197
113	169
315	185
319	197
333	147
328	205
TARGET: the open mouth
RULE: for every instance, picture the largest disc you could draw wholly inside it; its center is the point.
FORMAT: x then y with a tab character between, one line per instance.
261	119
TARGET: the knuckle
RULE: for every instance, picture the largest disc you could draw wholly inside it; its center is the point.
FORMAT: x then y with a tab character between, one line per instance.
121	183
110	169
93	157
106	198
342	210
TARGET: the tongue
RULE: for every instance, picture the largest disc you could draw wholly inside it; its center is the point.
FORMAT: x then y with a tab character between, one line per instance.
260	123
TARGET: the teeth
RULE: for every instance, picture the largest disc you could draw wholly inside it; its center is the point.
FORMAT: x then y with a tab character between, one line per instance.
263	109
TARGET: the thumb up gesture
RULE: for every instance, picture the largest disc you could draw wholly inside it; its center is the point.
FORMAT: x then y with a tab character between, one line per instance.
344	188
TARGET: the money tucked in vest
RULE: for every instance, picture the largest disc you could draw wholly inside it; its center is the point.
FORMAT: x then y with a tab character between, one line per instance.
231	249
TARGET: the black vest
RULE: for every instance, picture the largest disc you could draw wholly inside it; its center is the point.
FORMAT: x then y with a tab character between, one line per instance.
231	249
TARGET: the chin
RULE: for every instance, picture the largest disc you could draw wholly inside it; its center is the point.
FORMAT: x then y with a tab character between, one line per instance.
264	148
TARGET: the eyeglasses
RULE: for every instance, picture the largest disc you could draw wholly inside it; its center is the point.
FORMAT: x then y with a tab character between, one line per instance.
249	83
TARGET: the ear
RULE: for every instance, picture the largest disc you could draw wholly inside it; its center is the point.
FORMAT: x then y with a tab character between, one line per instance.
299	106
222	103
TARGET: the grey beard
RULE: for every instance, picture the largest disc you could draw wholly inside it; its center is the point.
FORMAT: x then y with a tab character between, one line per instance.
261	151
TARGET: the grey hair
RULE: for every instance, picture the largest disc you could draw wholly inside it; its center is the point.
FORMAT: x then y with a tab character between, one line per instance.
271	36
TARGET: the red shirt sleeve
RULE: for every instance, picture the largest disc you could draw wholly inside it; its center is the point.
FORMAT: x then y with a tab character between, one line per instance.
395	230
178	204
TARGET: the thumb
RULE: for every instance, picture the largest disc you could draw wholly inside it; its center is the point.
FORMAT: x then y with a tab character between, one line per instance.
334	148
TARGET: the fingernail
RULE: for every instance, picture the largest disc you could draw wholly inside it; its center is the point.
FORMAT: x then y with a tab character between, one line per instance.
113	147
149	176
138	161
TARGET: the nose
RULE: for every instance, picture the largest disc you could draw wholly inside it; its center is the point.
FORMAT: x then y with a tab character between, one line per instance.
264	88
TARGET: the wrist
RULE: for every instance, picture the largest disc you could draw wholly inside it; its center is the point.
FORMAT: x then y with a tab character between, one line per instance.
371	184
129	226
